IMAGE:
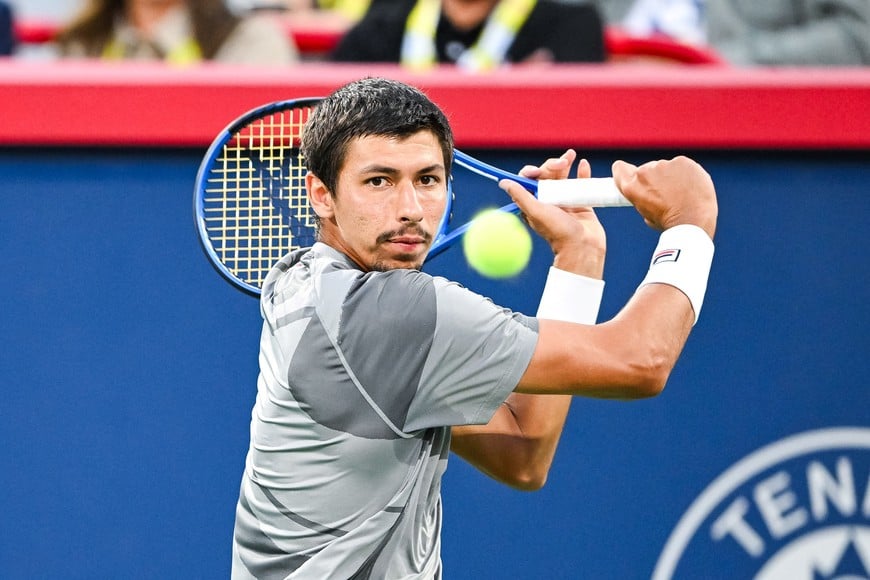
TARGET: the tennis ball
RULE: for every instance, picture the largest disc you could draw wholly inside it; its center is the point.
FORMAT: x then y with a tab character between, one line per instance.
497	244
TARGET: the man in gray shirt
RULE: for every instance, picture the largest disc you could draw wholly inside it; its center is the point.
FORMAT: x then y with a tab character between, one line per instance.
371	371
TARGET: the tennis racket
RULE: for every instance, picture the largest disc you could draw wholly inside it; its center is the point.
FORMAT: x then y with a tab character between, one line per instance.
251	207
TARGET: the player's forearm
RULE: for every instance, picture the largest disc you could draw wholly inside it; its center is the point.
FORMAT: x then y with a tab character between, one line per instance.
646	340
540	420
518	445
629	357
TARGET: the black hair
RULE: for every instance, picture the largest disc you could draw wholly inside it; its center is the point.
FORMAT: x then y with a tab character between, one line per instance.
368	107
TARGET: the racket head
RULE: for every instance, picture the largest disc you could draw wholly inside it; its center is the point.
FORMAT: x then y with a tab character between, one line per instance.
250	200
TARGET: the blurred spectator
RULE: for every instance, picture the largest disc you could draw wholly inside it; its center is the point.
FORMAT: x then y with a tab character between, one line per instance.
761	32
790	32
7	33
474	34
175	31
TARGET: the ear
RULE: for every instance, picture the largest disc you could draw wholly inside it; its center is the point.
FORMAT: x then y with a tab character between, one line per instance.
319	196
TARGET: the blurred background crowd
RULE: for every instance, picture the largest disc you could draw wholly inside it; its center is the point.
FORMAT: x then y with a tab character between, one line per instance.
473	34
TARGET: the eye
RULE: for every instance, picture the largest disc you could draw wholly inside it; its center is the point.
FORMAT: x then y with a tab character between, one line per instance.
429	180
378	181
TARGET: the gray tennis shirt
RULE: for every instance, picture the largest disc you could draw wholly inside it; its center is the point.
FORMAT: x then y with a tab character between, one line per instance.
361	377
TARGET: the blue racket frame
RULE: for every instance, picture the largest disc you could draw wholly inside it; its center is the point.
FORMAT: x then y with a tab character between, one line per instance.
443	238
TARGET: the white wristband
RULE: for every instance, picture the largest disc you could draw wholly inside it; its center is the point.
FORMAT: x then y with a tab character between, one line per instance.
682	260
570	297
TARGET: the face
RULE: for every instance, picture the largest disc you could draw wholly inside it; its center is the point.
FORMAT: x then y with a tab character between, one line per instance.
391	194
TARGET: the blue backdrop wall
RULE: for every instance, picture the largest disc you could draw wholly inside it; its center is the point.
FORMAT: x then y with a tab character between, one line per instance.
128	372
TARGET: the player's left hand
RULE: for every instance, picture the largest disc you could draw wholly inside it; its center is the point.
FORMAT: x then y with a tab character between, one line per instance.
575	235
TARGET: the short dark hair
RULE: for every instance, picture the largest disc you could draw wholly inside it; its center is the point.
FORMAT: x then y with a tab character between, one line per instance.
369	107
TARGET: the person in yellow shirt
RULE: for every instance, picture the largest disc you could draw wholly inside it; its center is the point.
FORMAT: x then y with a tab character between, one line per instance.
179	32
475	35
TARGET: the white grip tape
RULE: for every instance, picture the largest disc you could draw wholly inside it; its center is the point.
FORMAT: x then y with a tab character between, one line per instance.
570	297
589	192
682	259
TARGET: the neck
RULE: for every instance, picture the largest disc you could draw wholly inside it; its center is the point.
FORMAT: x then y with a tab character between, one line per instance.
467	14
145	14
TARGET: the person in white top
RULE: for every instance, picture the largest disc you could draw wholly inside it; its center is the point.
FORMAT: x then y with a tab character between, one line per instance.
179	32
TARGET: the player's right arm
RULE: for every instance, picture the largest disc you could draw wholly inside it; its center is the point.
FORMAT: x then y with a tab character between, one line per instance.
632	355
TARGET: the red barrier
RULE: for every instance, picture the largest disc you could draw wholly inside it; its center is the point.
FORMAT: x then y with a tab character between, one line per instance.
592	106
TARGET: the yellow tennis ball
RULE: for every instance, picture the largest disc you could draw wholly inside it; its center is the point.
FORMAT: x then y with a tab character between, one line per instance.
497	244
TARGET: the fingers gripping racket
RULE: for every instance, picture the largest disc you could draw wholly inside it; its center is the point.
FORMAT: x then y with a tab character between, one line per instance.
251	207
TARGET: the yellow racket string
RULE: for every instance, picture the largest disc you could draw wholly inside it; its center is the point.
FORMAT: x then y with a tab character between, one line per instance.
255	205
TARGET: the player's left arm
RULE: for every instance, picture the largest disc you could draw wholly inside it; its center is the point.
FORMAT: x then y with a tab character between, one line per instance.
519	443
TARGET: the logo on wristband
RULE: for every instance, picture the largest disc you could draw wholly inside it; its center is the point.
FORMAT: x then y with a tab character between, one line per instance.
666	256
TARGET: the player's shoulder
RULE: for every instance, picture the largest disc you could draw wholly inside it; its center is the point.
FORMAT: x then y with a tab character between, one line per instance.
409	280
394	283
407	292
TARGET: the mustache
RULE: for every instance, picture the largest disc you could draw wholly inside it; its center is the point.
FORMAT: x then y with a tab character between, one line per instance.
411	230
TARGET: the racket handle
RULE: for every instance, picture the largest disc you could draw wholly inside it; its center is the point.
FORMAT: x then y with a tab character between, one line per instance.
590	192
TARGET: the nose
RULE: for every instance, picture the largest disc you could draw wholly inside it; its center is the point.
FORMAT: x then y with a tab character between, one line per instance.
409	208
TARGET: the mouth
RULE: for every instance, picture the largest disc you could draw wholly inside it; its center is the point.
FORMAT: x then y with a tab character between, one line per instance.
406	242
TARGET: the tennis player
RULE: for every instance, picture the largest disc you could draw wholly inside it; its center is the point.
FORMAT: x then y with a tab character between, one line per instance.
371	371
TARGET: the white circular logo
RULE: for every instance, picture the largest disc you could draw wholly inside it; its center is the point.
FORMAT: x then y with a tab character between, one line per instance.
797	509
